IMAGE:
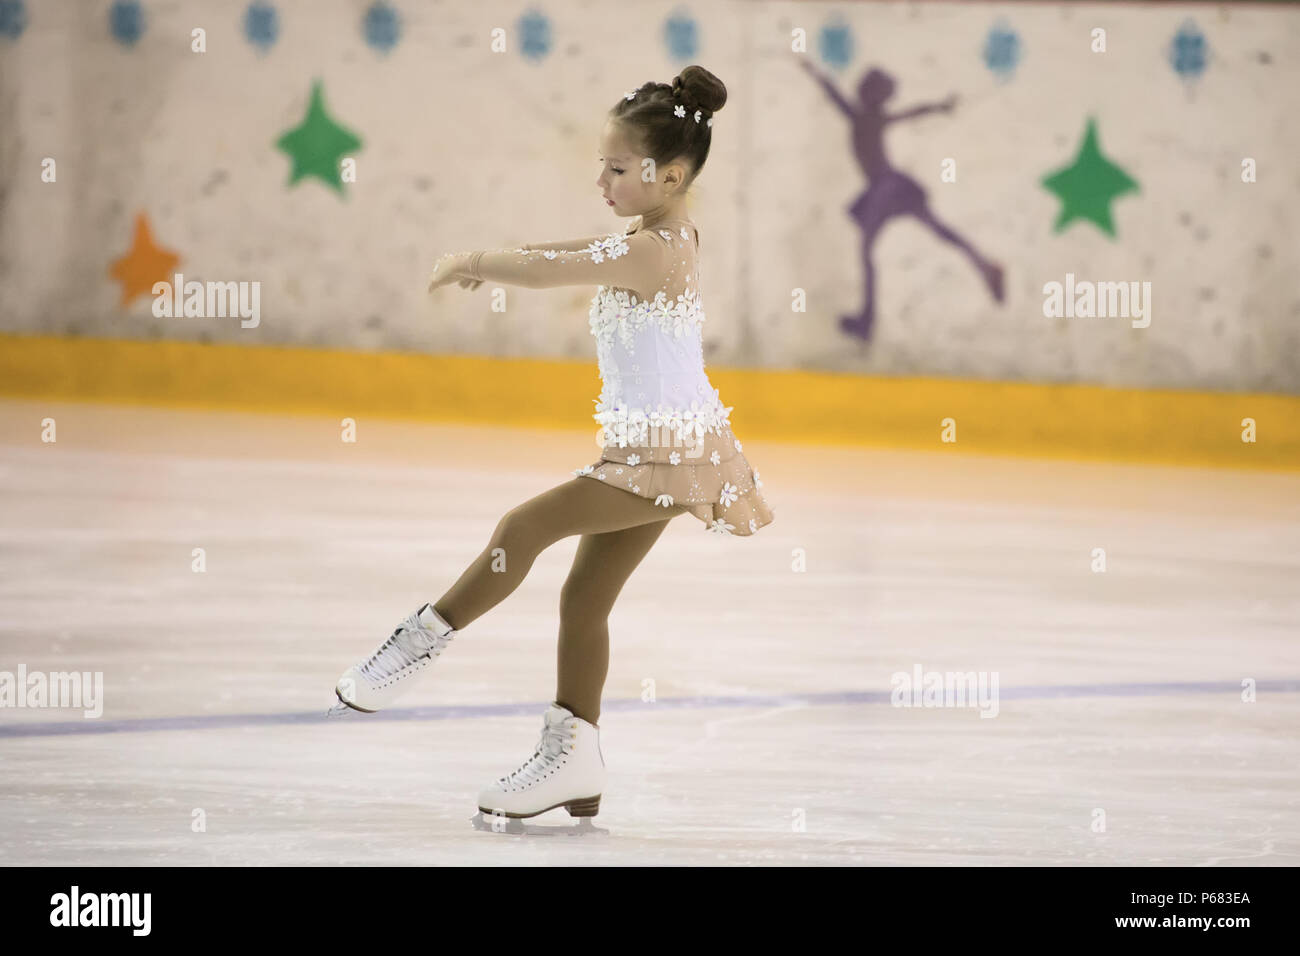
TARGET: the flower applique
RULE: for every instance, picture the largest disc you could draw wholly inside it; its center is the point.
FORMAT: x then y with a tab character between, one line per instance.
626	425
634	459
611	246
665	500
679	110
721	527
615	313
714	458
729	494
675	458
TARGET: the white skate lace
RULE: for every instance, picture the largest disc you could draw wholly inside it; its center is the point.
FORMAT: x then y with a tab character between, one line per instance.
548	751
409	642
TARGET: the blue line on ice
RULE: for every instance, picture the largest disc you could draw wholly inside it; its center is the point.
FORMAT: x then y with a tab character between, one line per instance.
532	708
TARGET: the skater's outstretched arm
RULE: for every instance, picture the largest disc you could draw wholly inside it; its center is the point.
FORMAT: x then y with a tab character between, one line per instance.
629	262
563	244
944	107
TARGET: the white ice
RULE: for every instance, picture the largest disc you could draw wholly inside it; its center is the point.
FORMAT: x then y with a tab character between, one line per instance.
1122	736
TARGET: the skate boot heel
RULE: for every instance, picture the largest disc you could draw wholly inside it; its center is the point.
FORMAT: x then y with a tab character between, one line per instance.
566	768
584	808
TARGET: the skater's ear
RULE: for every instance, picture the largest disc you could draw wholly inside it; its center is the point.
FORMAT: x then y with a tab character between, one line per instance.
675	175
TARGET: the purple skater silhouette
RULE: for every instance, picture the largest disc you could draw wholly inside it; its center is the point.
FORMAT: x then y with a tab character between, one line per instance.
889	193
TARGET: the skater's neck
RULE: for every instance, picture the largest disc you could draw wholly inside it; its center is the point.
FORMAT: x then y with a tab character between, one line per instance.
652	219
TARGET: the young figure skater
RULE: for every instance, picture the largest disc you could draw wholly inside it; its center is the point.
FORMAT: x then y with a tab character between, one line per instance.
668	446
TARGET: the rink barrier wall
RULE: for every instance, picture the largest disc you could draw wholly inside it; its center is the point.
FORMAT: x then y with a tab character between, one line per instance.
999	418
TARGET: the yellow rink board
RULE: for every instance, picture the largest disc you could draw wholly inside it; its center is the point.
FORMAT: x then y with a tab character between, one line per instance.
1004	418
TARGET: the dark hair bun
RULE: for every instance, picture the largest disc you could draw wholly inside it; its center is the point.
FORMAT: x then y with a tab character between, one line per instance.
650	115
699	89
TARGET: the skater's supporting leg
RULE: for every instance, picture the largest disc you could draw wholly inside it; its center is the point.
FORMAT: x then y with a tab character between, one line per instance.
601	567
580	506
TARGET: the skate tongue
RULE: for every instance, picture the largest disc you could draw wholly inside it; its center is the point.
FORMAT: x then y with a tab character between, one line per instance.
432	619
555	714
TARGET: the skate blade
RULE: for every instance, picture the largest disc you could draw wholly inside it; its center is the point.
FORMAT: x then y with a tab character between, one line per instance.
517	827
339	709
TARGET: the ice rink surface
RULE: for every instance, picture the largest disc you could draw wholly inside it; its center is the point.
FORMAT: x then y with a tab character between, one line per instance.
760	731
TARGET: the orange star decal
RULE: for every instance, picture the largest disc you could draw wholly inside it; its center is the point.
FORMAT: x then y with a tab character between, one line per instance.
144	265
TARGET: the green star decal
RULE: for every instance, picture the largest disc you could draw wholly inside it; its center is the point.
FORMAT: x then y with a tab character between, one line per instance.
1087	187
317	144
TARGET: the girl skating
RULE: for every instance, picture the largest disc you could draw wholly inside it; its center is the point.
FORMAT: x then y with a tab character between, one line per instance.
668	445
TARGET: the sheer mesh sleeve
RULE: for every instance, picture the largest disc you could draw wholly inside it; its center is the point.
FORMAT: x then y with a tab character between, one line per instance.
562	245
630	262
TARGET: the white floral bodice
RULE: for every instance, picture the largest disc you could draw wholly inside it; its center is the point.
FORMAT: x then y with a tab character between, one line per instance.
651	357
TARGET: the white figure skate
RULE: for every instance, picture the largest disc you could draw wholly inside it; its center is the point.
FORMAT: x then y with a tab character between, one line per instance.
387	673
566	770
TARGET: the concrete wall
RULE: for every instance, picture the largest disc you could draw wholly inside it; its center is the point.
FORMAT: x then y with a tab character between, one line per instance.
462	147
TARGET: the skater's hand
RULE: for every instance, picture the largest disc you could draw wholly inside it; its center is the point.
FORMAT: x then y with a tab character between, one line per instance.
444	272
452	268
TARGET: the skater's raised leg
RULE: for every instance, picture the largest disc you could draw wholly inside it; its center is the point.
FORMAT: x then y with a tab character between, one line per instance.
583	505
601	567
580	506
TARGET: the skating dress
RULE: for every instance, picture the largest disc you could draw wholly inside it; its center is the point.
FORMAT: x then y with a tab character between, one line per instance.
665	431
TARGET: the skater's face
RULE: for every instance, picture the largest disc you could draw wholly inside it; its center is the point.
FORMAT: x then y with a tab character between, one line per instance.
622	183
